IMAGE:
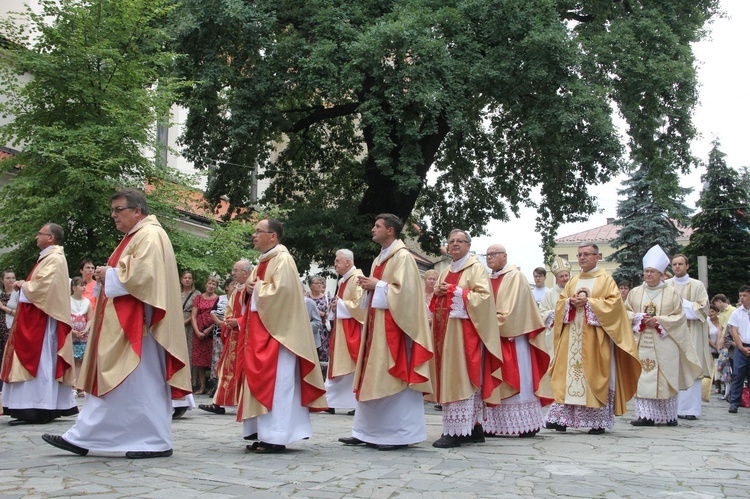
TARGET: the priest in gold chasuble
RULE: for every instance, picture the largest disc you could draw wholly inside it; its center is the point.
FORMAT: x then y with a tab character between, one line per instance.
595	368
467	346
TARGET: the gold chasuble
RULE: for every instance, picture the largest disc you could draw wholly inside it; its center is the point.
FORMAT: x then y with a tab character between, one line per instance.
583	351
48	290
517	314
347	333
146	268
396	350
280	320
669	362
468	356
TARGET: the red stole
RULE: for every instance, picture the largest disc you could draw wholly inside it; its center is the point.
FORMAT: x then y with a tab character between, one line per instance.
232	357
262	360
352	334
27	337
403	368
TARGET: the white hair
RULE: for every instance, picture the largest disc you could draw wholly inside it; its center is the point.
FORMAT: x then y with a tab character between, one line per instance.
346	254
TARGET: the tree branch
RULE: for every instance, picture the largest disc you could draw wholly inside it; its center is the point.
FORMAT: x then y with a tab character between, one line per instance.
323	114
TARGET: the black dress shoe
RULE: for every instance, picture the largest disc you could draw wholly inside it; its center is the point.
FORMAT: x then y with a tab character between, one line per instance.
596	431
252	436
350	441
148	454
350	413
554	426
61	443
392	447
642	422
477	435
331	410
438	407
689	417
216	409
672	423
733	409
178	412
528	434
448	441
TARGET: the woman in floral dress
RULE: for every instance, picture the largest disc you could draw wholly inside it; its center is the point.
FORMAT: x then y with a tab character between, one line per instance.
203	326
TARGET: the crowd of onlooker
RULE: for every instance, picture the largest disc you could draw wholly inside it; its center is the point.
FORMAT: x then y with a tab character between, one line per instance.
203	315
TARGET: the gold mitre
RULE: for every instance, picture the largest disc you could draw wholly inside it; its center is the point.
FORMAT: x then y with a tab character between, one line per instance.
559	264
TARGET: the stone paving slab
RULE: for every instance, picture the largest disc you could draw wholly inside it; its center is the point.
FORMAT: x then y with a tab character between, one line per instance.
697	459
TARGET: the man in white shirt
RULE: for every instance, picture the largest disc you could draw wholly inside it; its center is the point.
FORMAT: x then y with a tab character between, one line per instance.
739	325
539	289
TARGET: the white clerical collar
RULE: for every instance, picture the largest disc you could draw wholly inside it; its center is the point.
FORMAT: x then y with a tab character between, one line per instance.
45	251
458	263
682	280
589	271
385	251
348	273
658	286
496	273
270	251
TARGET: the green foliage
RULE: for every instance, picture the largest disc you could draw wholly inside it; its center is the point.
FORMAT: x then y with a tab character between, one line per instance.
84	81
720	228
216	254
453	112
646	220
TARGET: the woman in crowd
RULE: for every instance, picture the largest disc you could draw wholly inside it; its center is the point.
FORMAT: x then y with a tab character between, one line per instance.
726	351
188	291
7	309
81	314
322	302
203	327
713	341
87	273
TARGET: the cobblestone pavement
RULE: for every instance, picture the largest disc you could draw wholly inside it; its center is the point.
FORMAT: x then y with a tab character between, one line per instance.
704	458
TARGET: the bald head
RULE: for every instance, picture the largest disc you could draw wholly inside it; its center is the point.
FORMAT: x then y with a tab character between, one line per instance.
496	256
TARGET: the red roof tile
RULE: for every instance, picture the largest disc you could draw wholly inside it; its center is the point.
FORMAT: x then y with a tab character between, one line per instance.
606	233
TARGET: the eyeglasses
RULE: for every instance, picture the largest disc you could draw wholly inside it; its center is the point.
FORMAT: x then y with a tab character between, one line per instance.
585	254
118	209
651	271
494	254
457	241
43	234
258	231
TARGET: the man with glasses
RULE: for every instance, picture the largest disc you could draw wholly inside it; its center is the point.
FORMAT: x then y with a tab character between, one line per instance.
525	388
38	362
468	359
282	380
596	367
669	362
136	360
395	360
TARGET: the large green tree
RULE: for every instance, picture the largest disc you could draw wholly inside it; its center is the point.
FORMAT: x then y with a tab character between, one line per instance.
720	228
84	82
648	214
457	112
